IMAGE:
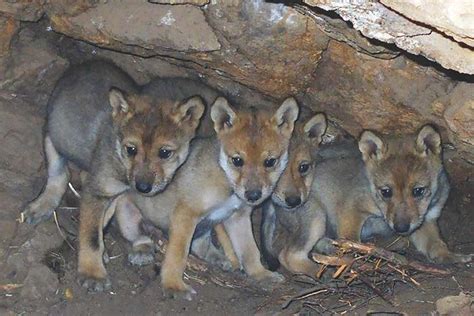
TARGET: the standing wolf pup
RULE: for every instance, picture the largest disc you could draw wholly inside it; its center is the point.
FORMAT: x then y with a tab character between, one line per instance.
123	139
399	184
225	177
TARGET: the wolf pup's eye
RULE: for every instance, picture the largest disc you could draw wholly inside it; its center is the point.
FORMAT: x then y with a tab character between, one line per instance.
270	162
303	167
418	192
131	150
237	161
386	192
164	153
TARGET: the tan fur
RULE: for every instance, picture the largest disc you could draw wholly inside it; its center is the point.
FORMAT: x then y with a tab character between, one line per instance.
361	196
209	189
226	245
149	128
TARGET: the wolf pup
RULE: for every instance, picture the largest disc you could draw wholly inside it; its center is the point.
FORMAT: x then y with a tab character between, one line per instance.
288	223
225	178
123	139
397	184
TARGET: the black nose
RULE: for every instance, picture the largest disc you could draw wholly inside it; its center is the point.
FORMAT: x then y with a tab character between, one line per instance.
143	187
253	195
401	227
293	201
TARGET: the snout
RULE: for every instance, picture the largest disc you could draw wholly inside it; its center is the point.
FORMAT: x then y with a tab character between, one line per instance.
150	187
253	196
143	187
401	227
293	201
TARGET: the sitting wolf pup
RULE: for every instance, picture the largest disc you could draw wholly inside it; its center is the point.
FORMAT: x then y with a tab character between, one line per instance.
398	179
123	139
225	178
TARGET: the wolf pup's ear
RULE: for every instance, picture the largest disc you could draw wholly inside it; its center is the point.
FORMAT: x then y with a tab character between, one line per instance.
286	116
371	146
315	128
189	112
118	102
428	141
222	115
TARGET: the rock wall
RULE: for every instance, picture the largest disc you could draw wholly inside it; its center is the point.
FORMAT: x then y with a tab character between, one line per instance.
314	51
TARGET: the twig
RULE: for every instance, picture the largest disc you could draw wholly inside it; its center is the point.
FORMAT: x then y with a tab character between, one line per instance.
61	232
9	287
390	256
73	190
310	292
375	290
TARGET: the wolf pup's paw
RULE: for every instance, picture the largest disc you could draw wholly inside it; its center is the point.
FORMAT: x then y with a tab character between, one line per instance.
452	257
180	291
36	213
95	285
443	256
268	279
143	252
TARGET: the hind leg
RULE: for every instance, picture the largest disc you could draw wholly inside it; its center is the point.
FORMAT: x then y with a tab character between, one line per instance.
204	248
129	219
44	205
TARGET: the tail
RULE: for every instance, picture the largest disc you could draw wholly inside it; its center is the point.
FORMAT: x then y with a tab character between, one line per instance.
267	235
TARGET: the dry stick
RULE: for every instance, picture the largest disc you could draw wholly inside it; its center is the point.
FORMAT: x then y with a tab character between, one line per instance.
61	232
10	287
310	292
374	289
390	256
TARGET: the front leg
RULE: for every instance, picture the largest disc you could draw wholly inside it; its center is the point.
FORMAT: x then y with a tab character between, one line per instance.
239	229
428	241
91	244
182	225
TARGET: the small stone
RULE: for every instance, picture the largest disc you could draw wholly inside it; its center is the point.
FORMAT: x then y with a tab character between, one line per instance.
40	283
455	305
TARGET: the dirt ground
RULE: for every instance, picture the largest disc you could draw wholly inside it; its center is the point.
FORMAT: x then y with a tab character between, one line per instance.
38	268
136	291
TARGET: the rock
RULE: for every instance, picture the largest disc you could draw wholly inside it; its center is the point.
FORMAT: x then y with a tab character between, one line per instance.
24	10
8	28
21	134
40	284
68	7
453	18
194	2
34	243
459	116
461	305
266	46
33	70
145	25
374	20
359	91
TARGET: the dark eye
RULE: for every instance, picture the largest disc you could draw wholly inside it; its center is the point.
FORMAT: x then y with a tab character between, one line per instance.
165	153
237	161
386	192
270	162
303	167
418	192
131	150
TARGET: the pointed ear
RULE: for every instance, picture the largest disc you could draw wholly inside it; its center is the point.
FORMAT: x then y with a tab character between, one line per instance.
118	102
222	115
286	116
189	112
428	141
371	146
315	128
